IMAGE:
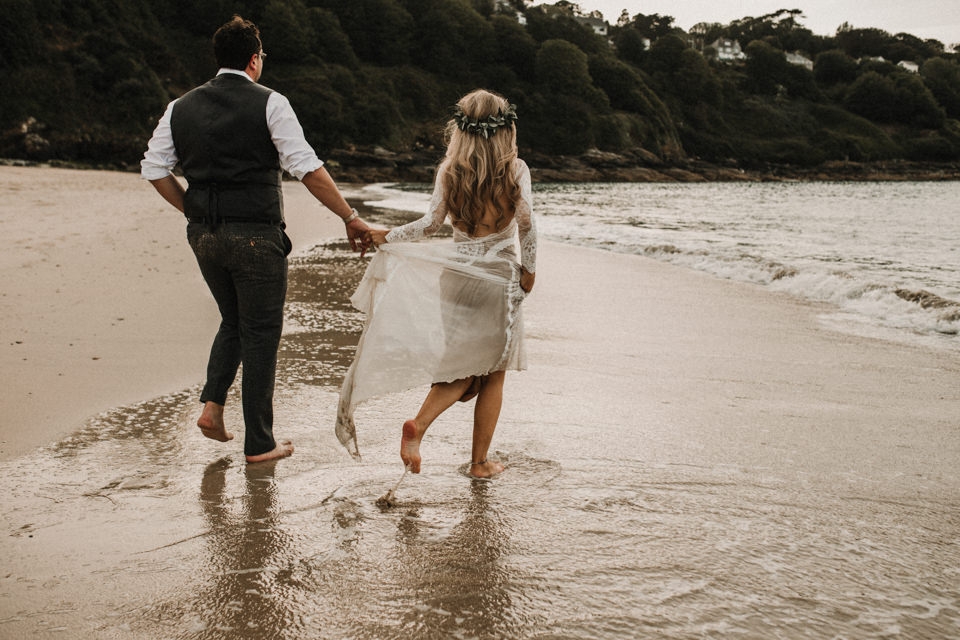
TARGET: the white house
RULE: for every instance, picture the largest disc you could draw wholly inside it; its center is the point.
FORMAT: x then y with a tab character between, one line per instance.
799	60
912	67
728	50
600	27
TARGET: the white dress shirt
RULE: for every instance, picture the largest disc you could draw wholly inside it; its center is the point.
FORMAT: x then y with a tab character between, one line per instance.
297	157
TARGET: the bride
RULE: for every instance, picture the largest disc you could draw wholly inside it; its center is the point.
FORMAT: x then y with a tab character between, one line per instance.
449	314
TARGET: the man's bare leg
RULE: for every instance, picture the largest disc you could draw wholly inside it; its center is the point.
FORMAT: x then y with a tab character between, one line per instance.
211	422
438	400
283	449
485	415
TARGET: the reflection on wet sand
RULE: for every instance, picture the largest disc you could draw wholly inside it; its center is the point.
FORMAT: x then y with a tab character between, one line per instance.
244	545
461	581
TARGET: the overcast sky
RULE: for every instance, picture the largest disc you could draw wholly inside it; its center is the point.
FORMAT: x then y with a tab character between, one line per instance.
938	19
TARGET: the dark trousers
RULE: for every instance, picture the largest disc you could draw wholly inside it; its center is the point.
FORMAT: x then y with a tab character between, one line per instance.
245	266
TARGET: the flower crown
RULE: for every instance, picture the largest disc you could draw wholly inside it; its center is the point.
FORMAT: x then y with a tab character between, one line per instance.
488	126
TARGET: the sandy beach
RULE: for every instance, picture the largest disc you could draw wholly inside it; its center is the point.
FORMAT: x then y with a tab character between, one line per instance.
686	456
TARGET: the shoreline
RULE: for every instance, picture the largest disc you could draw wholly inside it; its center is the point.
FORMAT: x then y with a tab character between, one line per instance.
380	165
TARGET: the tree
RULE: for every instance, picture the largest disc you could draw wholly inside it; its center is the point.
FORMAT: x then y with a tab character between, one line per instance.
915	105
834	67
766	68
631	46
284	27
862	42
380	30
562	67
330	43
942	77
653	26
515	47
451	39
872	96
546	23
21	41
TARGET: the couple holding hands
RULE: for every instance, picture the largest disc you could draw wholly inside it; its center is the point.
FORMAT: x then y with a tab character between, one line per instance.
444	314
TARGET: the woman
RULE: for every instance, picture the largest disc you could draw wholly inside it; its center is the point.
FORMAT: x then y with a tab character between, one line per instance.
449	313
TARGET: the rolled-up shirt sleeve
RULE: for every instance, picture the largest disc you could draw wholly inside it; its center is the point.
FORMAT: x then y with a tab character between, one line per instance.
161	156
297	157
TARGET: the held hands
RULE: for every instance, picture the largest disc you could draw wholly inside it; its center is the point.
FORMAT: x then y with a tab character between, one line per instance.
377	236
357	231
526	280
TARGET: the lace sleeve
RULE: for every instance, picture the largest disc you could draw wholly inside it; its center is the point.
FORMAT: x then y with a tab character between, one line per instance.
428	224
526	223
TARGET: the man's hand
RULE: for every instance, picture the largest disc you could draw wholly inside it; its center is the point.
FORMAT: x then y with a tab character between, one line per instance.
357	234
526	280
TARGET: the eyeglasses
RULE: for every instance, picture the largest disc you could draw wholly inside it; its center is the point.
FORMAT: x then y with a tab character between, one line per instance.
262	55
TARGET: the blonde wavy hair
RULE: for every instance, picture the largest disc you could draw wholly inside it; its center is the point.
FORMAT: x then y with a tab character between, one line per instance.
478	173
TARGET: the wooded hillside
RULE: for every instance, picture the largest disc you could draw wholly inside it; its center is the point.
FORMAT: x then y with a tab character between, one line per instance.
86	81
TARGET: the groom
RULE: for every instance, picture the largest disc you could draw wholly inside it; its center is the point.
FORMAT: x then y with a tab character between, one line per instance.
232	137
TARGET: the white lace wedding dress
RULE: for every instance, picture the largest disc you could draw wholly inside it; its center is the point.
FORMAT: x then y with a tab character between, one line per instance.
439	311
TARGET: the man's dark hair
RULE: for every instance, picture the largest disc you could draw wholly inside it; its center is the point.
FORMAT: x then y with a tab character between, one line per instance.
235	42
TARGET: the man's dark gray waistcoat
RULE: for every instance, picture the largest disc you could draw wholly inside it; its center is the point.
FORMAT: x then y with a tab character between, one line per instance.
223	143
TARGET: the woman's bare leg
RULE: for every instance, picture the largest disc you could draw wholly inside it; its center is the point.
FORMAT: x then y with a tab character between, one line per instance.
441	396
485	416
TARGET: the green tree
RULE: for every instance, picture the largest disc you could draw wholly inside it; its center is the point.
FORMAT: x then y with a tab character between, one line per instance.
694	81
452	39
631	46
653	26
330	43
942	77
563	68
544	23
20	37
380	30
766	68
862	42
915	105
515	47
872	96
285	27
834	67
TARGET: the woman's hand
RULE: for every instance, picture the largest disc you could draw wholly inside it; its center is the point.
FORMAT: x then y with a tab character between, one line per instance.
377	236
526	280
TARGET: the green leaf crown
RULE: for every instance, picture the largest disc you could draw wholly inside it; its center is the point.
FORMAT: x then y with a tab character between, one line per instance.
488	126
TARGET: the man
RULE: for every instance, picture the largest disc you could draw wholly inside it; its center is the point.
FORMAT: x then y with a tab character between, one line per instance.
232	137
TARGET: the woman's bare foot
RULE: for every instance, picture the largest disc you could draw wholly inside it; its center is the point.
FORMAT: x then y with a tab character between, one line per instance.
211	422
282	450
485	468
410	445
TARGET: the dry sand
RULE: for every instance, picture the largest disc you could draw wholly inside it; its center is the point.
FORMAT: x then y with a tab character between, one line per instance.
102	303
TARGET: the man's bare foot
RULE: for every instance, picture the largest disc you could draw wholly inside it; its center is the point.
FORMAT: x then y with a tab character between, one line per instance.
282	450
410	446
485	468
211	422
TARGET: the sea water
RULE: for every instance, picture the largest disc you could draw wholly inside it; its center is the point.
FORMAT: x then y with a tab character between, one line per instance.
884	255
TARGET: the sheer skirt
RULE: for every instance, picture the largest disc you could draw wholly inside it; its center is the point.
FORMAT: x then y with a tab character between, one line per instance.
436	312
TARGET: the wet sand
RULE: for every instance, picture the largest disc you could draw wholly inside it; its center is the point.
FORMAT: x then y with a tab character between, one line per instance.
686	456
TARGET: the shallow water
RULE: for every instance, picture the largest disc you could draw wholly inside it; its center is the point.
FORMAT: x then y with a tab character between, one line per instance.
136	527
